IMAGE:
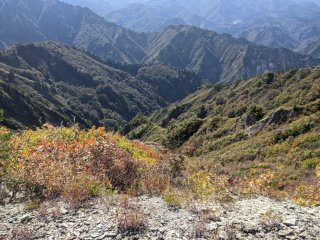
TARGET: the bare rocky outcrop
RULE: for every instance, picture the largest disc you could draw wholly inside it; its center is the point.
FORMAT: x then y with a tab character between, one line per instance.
278	117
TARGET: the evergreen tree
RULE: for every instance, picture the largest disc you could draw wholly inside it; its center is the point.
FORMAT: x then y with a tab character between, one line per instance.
1	115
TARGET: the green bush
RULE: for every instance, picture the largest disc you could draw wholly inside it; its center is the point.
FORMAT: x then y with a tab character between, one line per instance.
202	112
178	134
174	114
311	163
257	112
293	131
137	121
269	78
172	199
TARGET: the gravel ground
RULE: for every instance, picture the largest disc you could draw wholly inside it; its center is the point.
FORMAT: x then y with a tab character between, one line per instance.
258	218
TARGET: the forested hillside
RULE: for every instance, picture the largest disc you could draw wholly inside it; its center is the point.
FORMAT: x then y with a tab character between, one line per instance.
54	83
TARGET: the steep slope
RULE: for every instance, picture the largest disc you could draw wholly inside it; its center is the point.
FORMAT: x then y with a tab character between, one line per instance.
54	83
297	90
266	129
218	57
312	49
271	37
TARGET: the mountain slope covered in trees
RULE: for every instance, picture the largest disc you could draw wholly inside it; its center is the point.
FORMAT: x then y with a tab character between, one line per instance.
51	82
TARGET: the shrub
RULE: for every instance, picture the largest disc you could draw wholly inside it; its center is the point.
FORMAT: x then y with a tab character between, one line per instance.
132	221
307	194
11	76
177	166
172	199
202	112
5	136
156	180
21	233
200	183
174	114
269	78
134	123
32	205
178	134
295	129
318	171
77	190
255	114
311	163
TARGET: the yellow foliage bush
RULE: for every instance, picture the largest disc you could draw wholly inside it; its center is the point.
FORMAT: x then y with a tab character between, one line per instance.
200	183
269	183
307	194
318	171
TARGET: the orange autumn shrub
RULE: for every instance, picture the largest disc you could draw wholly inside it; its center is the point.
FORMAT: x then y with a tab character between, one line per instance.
77	164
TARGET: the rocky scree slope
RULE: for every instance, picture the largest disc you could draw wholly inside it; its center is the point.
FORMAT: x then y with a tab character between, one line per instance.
259	218
54	83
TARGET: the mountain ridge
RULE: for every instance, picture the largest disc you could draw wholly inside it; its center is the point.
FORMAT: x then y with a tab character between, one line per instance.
230	58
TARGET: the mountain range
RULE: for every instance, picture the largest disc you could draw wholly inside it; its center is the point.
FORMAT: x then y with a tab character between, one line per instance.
299	20
215	57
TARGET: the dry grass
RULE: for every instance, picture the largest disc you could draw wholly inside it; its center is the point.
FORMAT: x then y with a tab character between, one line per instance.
270	219
199	229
